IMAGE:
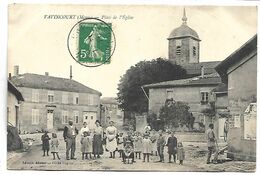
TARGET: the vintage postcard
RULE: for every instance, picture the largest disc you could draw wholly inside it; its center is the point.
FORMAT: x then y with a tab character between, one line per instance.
132	88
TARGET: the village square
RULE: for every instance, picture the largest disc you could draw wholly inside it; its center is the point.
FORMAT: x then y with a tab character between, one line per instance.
191	116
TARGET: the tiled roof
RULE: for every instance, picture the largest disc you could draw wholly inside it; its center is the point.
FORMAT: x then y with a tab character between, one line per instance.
109	100
195	68
15	91
210	79
49	82
184	31
221	88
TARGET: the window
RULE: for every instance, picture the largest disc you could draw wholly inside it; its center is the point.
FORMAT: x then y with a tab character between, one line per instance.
91	117
65	98
50	96
178	50
35	95
35	116
76	116
75	98
90	99
204	97
65	117
194	51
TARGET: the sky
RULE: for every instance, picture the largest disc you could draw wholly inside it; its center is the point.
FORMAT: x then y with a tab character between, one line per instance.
38	45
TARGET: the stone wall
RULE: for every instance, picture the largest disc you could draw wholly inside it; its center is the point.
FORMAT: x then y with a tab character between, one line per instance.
242	90
189	94
186	55
11	113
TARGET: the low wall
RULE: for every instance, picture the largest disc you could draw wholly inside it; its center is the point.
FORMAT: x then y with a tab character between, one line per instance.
190	137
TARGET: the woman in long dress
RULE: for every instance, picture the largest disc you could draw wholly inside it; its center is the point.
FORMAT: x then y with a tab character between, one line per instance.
111	143
97	140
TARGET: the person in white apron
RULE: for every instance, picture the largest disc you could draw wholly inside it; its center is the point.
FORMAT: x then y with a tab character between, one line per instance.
111	143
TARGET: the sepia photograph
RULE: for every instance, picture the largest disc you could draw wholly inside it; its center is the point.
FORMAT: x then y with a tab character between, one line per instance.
169	88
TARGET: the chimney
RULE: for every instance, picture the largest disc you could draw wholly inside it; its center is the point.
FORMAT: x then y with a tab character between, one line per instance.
16	70
71	72
202	71
46	73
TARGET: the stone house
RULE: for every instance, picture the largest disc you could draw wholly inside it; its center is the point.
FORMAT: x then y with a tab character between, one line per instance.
13	105
239	72
111	112
50	102
194	91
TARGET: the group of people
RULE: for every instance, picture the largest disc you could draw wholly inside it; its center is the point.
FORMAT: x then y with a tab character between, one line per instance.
91	141
129	145
150	143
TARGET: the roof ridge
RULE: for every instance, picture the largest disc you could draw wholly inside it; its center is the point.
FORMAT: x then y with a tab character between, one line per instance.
195	78
46	76
34	80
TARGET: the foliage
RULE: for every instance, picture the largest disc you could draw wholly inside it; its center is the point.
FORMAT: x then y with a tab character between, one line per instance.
151	118
175	114
130	96
210	112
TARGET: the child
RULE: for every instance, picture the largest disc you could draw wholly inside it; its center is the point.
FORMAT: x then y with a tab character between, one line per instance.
55	146
86	145
180	153
45	143
129	139
120	144
147	143
172	147
128	152
138	145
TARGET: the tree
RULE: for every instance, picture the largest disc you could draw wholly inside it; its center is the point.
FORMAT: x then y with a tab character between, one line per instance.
151	118
175	114
130	96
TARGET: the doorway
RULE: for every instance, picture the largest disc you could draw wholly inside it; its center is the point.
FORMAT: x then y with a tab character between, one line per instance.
90	118
49	119
221	124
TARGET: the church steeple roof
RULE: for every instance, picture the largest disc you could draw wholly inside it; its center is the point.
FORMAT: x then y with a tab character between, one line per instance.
184	30
184	18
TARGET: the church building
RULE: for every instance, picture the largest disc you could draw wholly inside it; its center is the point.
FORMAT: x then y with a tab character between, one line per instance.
184	50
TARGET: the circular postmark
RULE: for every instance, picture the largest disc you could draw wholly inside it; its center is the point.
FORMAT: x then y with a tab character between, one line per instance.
91	42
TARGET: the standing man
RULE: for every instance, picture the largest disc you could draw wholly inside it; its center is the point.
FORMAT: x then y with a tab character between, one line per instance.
70	132
172	147
226	128
160	146
211	139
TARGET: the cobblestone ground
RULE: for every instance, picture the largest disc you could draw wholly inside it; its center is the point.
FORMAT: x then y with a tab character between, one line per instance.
195	161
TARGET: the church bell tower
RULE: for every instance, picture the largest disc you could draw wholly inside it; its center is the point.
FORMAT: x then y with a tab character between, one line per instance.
184	44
